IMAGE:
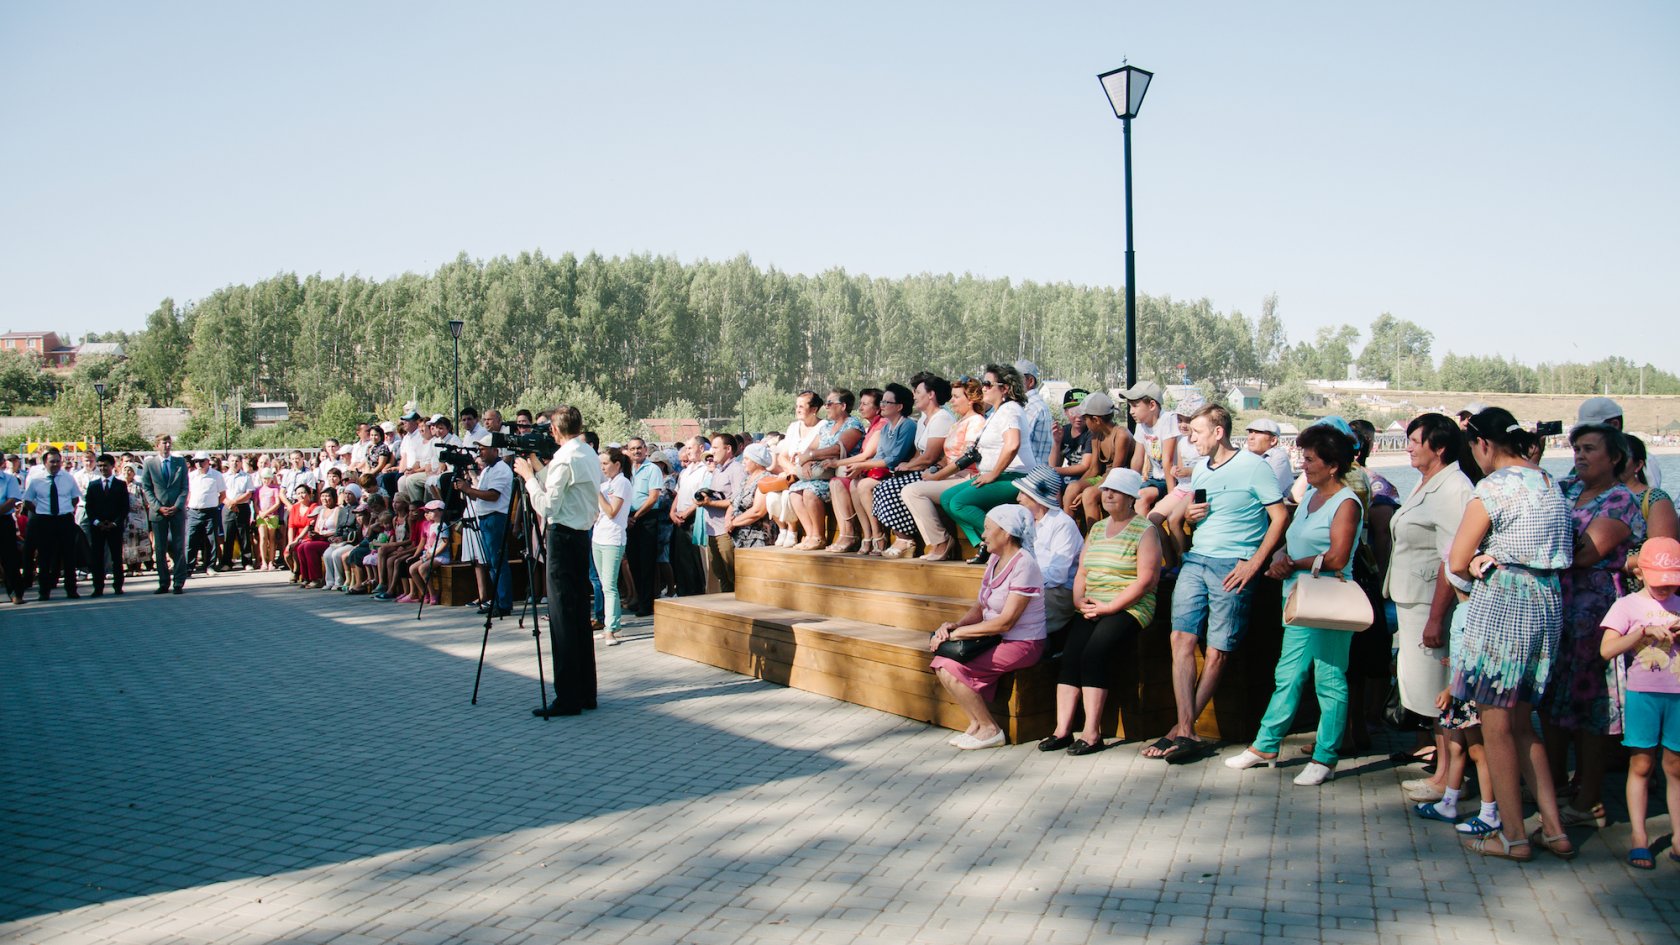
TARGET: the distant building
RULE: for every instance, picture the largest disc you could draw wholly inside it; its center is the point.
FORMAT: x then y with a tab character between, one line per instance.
55	355
268	413
1242	397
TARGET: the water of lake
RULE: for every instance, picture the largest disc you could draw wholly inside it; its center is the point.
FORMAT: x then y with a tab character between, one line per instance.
1405	478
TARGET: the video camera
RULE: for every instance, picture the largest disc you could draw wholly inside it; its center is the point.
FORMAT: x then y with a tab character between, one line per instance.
537	440
460	462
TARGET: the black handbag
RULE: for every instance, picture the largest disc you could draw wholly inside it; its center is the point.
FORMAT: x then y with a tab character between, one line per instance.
964	650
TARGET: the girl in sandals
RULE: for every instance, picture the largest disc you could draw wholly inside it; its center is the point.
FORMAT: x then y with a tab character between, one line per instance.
1644	625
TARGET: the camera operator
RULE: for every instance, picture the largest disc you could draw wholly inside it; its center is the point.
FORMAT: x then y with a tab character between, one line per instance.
488	493
565	492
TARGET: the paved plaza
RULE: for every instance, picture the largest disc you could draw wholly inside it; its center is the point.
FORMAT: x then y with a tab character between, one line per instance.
250	763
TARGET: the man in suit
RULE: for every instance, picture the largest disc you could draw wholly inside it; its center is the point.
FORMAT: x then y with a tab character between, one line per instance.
52	524
106	511
163	481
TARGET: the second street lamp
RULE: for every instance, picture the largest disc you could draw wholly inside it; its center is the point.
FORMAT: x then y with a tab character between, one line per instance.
741	381
1125	88
455	326
99	388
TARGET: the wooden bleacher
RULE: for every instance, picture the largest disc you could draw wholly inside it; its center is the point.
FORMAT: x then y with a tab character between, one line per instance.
856	628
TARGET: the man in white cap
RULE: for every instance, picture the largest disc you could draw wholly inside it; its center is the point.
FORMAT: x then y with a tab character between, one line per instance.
488	494
205	489
1041	427
1263	442
411	458
1605	411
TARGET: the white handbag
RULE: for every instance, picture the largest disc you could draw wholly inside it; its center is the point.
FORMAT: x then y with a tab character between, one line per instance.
1327	602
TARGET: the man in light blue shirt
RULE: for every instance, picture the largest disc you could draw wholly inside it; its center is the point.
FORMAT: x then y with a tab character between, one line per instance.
1239	516
647	483
1040	425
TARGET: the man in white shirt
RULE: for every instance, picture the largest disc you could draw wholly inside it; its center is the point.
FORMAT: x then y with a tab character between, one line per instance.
1056	543
1157	434
294	476
241	478
53	495
358	450
205	489
412	461
442	436
687	565
471	429
1263	442
487	497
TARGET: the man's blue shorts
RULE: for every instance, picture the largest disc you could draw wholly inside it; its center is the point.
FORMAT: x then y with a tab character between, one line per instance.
1201	604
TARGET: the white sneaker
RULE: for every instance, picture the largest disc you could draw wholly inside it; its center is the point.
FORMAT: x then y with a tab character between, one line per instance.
1315	774
1416	784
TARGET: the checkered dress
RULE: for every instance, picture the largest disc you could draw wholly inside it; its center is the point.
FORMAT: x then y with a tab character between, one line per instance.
1515	615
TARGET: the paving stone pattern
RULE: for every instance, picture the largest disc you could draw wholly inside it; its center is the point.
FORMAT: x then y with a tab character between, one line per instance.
249	763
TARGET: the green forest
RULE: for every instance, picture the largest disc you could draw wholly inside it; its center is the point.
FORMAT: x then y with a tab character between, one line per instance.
646	335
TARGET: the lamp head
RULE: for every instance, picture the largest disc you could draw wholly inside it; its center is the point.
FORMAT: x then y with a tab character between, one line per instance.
99	388
455	326
1125	87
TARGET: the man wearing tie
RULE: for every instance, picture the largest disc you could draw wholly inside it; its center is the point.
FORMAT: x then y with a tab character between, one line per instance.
163	480
52	526
106	511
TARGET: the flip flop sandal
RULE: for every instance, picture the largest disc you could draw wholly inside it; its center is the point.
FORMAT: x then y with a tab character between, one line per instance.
1640	858
1159	747
1477	827
1428	812
1184	748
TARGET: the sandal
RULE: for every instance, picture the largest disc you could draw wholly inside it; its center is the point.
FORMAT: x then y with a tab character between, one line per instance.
814	543
1477	827
1158	748
1592	816
843	544
902	548
1496	844
1184	748
944	554
1640	858
1539	838
873	547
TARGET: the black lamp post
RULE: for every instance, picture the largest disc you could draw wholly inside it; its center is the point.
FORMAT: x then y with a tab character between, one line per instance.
455	326
1125	87
99	388
742	380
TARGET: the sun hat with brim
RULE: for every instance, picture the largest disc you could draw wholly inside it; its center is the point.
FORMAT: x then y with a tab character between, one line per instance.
1597	410
1145	390
1098	404
1659	562
1042	485
265	474
1123	481
1190	403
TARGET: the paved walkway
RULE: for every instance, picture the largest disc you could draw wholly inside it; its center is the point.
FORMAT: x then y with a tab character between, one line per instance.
252	763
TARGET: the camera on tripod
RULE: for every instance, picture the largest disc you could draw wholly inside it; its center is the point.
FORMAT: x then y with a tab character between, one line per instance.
537	440
460	462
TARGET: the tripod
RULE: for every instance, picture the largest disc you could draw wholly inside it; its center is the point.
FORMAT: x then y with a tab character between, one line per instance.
518	507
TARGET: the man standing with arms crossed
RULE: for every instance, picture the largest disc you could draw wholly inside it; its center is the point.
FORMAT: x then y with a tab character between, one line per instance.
566	492
643	551
1239	516
163	480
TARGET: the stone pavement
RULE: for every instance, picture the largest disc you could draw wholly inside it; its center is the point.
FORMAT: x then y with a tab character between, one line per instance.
253	763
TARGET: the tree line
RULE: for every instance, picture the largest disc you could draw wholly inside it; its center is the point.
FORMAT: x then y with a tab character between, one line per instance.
646	332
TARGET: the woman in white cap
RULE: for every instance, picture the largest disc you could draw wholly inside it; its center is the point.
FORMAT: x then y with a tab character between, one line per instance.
747	523
1010	610
1114	591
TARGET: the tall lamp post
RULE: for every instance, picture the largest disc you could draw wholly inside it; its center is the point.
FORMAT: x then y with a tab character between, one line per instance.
99	388
741	381
455	326
1125	87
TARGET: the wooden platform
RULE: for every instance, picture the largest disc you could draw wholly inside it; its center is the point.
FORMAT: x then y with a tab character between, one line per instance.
856	628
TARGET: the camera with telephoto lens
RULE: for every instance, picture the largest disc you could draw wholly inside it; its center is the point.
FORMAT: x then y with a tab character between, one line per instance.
537	440
460	462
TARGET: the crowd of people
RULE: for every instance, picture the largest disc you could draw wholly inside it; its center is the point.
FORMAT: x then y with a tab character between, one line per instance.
1512	590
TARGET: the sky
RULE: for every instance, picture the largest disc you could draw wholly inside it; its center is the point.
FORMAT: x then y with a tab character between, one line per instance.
1501	173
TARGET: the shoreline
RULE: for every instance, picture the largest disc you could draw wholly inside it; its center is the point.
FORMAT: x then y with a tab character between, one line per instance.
1389	460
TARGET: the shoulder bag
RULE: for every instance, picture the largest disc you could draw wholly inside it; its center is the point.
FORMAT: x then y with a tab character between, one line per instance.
1327	602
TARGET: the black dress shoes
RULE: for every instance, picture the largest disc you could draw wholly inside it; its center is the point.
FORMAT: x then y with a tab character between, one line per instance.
98	592
116	590
179	590
161	590
554	709
981	558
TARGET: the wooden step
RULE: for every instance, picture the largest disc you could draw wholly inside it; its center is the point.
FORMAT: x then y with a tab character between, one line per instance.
890	608
935	578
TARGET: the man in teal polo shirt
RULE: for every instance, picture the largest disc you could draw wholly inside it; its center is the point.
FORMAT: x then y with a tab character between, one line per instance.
1239	521
642	544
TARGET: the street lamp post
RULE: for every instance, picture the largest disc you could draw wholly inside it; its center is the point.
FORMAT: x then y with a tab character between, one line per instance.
1125	87
99	388
455	326
741	381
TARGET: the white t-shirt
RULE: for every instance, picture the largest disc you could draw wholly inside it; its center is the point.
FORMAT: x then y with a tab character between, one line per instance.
1009	416
498	478
611	531
204	489
936	427
413	451
1154	439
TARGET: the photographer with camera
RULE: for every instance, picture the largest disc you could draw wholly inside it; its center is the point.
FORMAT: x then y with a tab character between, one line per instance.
564	490
488	493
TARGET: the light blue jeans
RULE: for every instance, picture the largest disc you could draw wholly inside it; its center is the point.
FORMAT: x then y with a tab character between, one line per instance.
607	559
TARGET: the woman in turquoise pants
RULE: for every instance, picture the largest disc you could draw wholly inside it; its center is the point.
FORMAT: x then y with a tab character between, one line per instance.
1327	527
1005	456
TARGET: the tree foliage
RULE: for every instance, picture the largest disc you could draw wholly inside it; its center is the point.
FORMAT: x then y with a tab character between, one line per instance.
1398	348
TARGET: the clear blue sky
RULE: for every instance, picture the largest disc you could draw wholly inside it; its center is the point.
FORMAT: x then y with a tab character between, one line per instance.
1502	173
